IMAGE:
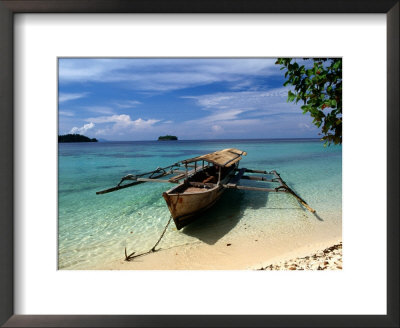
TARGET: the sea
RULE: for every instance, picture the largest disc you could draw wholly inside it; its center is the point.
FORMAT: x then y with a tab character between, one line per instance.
95	229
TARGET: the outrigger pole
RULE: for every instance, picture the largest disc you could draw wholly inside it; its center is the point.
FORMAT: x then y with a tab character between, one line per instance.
153	176
233	184
289	190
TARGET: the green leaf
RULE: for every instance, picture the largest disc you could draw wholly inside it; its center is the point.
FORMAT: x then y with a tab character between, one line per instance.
291	96
319	86
337	64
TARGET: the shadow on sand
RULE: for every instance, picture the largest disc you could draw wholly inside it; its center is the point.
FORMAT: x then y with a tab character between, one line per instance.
217	221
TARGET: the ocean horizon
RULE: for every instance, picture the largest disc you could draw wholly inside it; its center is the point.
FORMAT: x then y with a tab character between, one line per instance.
223	139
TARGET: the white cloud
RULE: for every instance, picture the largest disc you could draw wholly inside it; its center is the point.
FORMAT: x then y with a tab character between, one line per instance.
217	128
244	113
99	109
123	122
166	74
63	97
273	101
305	126
128	104
244	106
247	84
225	115
82	129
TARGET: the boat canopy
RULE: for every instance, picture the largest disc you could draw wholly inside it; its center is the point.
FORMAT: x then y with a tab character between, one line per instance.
223	158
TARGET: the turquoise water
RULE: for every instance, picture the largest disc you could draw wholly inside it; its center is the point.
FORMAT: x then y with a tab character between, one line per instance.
95	229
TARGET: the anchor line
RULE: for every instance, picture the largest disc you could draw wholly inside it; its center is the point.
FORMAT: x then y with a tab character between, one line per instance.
152	250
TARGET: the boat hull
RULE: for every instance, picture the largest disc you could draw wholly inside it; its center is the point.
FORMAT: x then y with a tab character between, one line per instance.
185	207
186	203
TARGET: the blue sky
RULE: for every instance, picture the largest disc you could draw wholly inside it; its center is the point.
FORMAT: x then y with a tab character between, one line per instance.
141	99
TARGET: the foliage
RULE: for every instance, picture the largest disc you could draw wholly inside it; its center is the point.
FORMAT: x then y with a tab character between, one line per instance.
75	138
167	137
317	83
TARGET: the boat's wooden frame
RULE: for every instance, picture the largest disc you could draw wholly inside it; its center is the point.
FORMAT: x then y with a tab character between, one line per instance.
194	194
191	197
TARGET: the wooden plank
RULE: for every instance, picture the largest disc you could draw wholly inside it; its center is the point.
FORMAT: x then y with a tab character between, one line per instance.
232	161
251	188
178	171
235	179
177	177
181	176
225	157
255	171
255	178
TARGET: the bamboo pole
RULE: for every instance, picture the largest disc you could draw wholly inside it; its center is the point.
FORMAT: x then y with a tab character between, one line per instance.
229	186
138	180
156	170
154	180
247	177
285	186
254	171
118	187
302	201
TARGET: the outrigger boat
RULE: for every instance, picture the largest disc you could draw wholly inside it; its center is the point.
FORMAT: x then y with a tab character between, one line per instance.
203	181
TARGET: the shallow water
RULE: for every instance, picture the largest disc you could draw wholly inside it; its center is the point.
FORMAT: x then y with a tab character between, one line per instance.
95	229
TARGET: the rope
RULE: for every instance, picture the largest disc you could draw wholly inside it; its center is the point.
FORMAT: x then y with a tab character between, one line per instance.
152	250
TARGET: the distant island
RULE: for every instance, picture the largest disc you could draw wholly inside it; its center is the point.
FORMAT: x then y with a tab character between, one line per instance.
75	138
167	137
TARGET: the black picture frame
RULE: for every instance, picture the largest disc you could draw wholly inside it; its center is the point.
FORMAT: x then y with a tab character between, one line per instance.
10	7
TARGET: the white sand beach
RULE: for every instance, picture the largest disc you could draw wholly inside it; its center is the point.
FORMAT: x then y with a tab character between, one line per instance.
330	258
248	251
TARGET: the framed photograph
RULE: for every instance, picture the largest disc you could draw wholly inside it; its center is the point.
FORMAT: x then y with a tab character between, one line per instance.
199	157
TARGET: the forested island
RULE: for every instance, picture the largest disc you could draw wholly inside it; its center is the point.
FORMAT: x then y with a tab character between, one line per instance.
75	138
167	137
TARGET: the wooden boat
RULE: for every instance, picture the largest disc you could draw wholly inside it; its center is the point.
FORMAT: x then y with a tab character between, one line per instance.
201	187
204	187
